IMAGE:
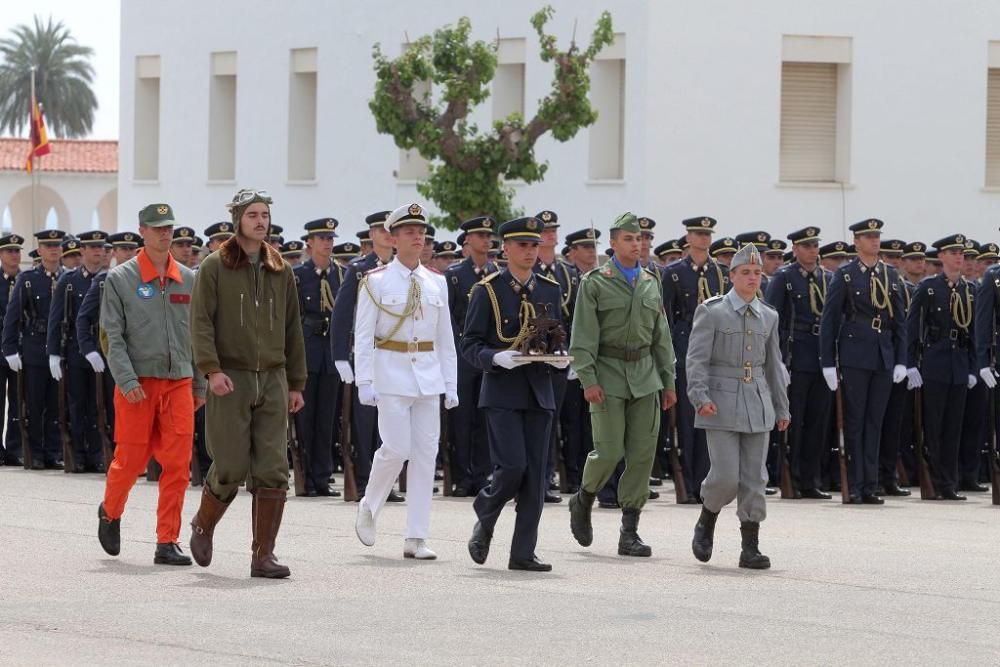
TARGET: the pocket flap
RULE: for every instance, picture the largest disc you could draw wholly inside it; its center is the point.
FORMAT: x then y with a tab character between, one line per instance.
724	384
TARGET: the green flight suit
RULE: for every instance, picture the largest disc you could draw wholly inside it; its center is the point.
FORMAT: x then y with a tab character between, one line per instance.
621	341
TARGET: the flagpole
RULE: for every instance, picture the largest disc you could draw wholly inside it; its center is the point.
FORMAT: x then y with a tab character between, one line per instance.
34	177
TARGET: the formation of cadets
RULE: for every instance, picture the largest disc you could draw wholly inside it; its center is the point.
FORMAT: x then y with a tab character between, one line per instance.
888	348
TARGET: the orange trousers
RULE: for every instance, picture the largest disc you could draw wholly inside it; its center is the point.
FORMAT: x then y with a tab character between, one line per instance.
161	425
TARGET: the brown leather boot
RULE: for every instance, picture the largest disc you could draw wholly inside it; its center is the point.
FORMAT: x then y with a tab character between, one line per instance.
203	526
268	506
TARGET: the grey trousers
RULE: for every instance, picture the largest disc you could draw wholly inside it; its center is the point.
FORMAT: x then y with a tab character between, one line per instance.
738	470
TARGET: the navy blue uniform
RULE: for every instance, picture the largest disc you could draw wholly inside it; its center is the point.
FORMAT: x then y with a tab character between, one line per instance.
61	341
364	424
866	341
798	296
987	324
25	326
684	287
943	348
470	455
10	449
897	425
88	326
519	405
317	419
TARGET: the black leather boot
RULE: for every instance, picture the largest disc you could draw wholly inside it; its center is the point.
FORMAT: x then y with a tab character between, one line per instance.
109	532
751	557
629	542
580	505
169	553
704	535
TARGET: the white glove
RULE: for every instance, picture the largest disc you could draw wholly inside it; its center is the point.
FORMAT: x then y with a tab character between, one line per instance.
344	368
830	375
561	364
785	376
367	395
96	362
14	361
572	374
972	381
55	367
913	378
506	359
898	373
989	379
450	399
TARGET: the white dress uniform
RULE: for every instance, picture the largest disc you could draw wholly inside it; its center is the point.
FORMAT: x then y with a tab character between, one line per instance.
410	362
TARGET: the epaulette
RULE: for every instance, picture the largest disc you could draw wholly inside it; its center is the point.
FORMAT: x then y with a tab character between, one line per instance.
376	270
712	300
488	278
548	280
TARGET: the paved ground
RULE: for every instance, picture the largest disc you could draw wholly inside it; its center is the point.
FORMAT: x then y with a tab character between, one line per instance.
911	581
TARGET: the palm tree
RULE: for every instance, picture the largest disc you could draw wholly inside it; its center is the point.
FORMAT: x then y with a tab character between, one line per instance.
63	76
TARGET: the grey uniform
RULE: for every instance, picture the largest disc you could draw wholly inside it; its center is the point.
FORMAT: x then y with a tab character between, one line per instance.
733	361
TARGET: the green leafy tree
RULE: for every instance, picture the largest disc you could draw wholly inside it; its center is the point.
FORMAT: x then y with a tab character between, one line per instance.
63	78
468	166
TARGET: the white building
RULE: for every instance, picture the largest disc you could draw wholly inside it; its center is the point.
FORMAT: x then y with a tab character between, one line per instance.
773	115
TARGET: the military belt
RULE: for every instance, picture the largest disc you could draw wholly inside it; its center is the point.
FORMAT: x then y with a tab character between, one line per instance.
318	326
744	372
807	328
406	347
623	353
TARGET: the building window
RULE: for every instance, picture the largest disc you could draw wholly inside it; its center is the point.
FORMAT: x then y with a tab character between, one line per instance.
302	116
815	109
508	82
146	139
993	117
607	96
222	118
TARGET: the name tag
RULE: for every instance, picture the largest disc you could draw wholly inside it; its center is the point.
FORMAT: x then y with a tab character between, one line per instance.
180	298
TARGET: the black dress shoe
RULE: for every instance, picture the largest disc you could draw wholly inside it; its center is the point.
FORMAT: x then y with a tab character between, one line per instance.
691	500
896	490
551	497
974	487
770	491
655	481
573	488
37	465
815	494
608	504
311	493
553	486
169	553
853	500
653	495
530	565
79	469
394	497
951	495
53	465
327	492
872	500
109	532
460	491
479	543
14	461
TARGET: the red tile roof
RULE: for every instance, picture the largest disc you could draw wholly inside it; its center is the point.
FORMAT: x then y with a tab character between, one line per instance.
73	155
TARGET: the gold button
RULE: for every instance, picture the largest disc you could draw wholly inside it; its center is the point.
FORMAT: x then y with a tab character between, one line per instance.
749	348
747	364
749	332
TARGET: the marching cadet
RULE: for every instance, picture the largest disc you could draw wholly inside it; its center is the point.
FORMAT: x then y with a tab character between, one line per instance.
736	383
913	263
722	250
942	359
63	348
645	248
365	241
624	357
668	251
10	264
291	252
123	248
274	237
428	252
517	397
318	282
773	257
71	258
933	263
364	426
686	284
181	246
862	333
833	255
551	266
217	234
343	255
891	252
404	354
24	336
445	254
470	455
971	269
987	324
797	292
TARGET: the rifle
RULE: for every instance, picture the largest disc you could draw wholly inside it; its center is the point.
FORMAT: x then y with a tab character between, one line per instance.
298	457
350	483
845	485
22	396
107	441
402	477
994	451
920	446
784	447
445	447
673	454
69	462
560	461
904	477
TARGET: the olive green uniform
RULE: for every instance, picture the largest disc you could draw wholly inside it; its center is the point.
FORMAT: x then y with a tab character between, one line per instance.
621	341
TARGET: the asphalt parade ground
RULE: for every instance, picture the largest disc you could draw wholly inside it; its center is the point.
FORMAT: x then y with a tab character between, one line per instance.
913	582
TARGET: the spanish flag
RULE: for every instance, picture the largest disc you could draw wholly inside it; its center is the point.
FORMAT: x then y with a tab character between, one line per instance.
39	138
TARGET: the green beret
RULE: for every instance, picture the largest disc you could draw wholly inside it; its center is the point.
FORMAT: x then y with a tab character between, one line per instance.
156	215
627	222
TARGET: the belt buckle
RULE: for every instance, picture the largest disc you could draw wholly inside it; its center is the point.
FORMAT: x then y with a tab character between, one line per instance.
877	323
953	334
411	347
747	372
815	330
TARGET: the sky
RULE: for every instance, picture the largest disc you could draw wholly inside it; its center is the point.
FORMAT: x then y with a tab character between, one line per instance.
94	23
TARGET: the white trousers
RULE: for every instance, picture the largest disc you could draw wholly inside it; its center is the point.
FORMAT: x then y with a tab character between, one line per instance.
410	427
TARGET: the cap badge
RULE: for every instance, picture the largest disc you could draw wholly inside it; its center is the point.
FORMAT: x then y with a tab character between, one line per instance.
162	210
415	209
546	216
531	224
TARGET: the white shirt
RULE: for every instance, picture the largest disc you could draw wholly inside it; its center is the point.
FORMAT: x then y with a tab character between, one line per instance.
405	373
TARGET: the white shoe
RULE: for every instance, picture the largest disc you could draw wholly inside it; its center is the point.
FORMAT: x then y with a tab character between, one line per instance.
416	548
364	525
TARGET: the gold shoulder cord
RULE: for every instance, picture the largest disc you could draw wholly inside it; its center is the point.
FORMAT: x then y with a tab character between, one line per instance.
412	305
569	290
961	312
704	290
817	296
883	303
526	313
906	294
